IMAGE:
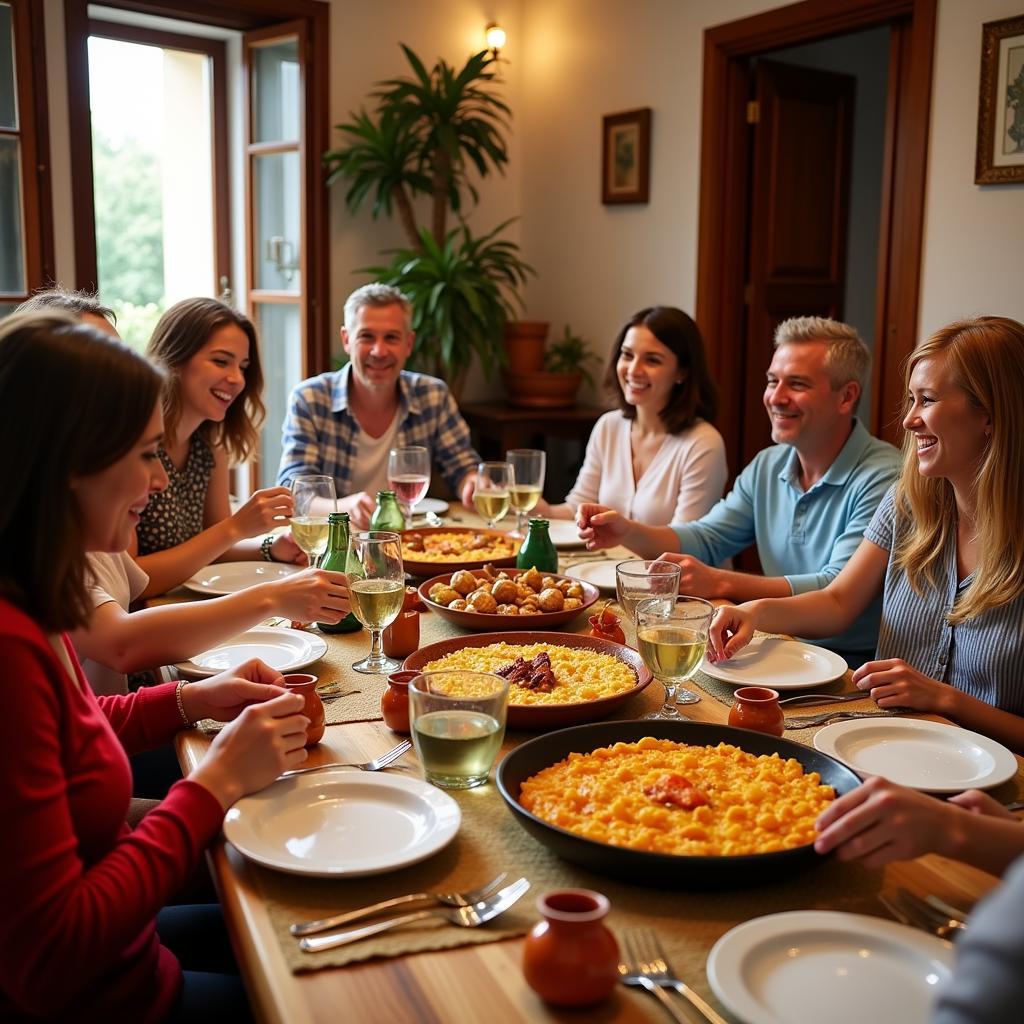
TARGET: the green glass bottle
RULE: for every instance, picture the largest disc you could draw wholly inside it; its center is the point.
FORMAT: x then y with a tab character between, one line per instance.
334	559
387	515
538	549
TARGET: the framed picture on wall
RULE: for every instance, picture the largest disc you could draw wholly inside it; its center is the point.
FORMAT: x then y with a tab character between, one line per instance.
626	157
1000	156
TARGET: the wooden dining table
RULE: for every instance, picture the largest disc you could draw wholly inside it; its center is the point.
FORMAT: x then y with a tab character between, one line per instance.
485	982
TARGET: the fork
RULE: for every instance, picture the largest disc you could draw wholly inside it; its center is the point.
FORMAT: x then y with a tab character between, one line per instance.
450	899
383	761
821	698
649	969
472	916
833	716
912	911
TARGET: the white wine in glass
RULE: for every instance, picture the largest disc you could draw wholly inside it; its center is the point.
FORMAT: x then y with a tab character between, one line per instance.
528	465
672	636
491	497
409	477
377	589
313	497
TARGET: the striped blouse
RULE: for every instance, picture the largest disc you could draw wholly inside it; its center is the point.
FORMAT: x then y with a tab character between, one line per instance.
983	657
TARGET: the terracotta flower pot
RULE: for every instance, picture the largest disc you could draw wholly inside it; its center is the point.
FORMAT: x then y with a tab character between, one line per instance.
524	345
542	390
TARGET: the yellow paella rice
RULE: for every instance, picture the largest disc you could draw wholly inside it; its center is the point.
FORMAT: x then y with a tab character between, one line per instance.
456	546
666	797
580	675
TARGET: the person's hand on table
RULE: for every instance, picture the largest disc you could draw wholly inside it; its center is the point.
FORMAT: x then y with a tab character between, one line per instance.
467	488
893	683
359	507
730	631
976	802
223	697
695	578
314	595
600	526
284	549
266	509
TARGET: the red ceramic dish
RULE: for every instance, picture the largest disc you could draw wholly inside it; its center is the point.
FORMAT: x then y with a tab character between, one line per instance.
479	621
418	567
547	716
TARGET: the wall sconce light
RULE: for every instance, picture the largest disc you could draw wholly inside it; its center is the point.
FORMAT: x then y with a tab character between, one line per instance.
495	37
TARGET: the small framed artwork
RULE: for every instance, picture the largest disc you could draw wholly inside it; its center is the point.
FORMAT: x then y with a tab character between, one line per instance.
626	157
1000	156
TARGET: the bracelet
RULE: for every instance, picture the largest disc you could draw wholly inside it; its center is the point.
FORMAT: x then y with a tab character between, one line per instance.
265	545
181	705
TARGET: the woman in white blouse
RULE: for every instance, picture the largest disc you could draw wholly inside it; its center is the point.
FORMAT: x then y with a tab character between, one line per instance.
656	458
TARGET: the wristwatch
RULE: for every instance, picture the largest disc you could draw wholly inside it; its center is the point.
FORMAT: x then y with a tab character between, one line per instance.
265	545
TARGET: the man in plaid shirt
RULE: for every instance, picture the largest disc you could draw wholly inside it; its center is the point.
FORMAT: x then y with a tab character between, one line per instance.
344	423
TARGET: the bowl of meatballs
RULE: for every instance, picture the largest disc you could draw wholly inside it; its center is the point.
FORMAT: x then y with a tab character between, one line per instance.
489	599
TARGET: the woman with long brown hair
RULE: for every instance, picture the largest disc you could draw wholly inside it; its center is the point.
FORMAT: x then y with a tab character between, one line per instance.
945	548
212	410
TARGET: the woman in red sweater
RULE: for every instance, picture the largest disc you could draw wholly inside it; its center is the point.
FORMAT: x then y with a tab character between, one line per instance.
79	891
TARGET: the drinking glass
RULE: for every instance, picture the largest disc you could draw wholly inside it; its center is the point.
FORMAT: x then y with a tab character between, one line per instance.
640	578
309	516
527	482
491	498
376	585
458	723
672	634
409	477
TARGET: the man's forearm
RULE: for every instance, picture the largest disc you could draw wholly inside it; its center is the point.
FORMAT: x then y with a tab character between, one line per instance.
650	541
745	586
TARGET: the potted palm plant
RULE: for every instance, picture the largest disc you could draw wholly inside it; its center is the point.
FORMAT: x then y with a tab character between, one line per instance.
428	134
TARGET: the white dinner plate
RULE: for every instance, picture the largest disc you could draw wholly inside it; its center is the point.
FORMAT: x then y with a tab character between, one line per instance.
230	577
287	650
929	756
780	664
601	574
565	533
813	966
333	824
435	505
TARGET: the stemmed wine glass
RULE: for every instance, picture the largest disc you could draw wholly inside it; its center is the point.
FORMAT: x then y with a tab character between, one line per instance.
672	635
311	494
527	482
491	498
409	477
639	578
376	584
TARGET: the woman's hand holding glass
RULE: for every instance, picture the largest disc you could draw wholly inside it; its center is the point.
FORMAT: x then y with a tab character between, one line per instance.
313	497
528	465
491	497
264	510
409	477
376	591
639	578
672	635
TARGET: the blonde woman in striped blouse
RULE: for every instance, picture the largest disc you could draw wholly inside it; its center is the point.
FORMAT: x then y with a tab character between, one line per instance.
946	547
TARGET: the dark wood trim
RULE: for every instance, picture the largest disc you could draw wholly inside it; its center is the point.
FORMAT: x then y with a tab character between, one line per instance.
243	15
724	160
156	37
83	208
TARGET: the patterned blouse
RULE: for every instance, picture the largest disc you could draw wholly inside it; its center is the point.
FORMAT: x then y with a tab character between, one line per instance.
175	515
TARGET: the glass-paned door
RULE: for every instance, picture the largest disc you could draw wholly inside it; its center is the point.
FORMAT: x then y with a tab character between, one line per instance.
13	269
276	171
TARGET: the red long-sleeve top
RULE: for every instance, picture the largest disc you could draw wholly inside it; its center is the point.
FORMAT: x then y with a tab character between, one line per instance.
79	890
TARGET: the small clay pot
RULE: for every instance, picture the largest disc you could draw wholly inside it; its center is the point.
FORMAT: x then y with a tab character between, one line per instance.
570	958
313	709
757	708
402	636
394	702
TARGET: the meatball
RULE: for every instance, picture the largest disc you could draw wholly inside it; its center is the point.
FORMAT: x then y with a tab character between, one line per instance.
532	579
504	592
458	605
481	601
441	593
574	590
572	603
414	542
464	582
508	609
551	600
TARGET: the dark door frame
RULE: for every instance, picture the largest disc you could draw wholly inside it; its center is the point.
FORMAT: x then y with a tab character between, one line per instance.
243	16
722	241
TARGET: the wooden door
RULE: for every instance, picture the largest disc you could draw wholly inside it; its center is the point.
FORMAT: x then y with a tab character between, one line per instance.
800	179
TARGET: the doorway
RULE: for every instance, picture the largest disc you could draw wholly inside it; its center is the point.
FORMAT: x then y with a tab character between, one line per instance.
725	272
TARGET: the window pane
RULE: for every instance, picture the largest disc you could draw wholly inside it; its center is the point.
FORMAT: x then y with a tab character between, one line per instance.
6	308
276	231
275	89
12	258
8	97
280	340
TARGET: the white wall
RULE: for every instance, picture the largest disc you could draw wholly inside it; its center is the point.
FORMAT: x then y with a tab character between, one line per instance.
972	252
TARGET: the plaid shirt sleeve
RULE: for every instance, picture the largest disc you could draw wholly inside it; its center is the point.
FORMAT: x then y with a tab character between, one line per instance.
314	439
439	425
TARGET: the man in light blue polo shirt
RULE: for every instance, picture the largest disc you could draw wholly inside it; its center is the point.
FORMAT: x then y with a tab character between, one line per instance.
805	502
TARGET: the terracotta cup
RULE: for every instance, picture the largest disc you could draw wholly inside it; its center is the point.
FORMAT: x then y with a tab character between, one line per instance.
757	708
570	958
313	709
394	701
